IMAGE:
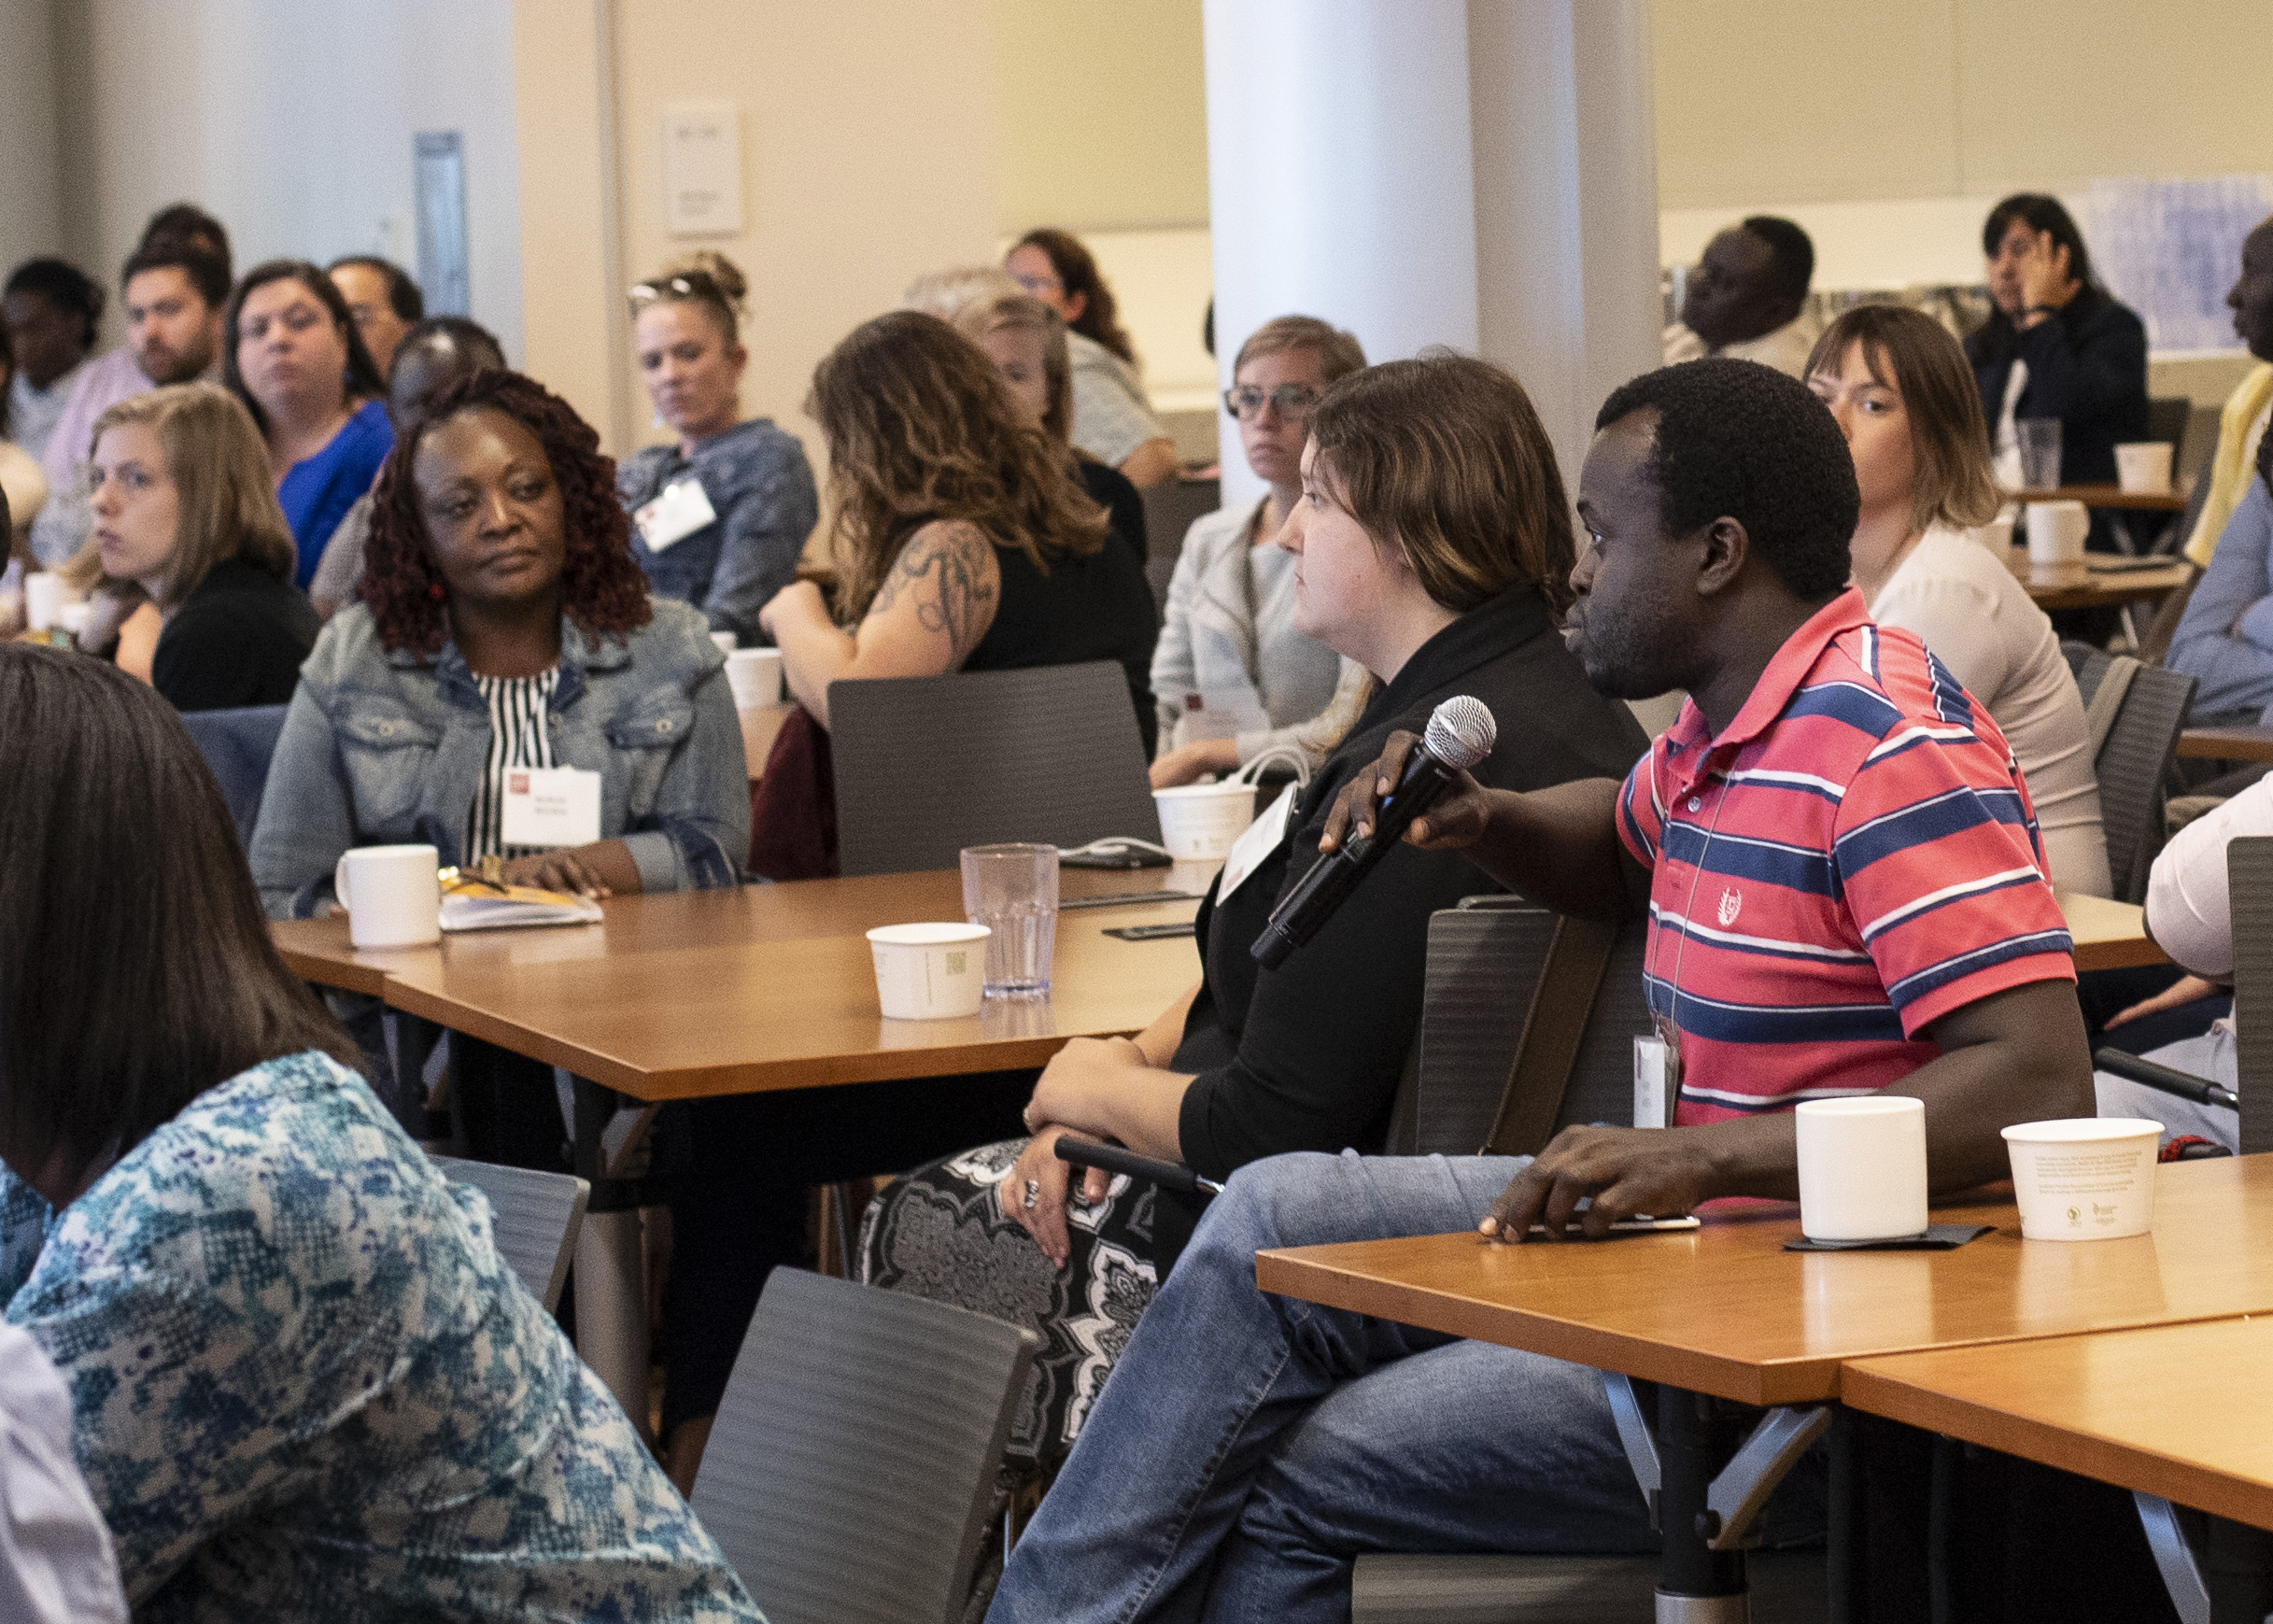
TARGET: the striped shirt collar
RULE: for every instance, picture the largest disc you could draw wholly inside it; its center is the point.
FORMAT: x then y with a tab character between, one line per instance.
1690	747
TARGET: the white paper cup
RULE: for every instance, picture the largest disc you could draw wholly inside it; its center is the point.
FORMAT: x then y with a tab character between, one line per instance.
1862	1167
754	674
2084	1177
44	597
929	973
392	895
2142	467
2056	530
725	641
1199	821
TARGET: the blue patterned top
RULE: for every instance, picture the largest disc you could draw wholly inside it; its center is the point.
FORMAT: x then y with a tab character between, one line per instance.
305	1385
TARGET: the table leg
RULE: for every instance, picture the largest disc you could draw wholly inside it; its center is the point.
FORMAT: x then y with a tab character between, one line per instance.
1844	1522
611	1294
1697	1584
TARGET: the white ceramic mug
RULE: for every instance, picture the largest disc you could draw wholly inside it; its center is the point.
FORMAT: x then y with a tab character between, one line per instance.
2084	1177
2142	467
754	674
1862	1167
44	597
929	973
2056	530
392	895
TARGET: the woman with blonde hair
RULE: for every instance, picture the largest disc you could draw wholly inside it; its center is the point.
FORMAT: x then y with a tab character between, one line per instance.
1434	550
960	539
184	507
1901	390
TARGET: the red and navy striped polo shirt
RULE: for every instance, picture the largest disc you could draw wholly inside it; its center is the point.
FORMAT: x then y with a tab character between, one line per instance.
1853	858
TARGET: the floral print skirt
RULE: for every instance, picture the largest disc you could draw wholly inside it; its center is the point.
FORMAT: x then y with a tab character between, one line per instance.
940	1231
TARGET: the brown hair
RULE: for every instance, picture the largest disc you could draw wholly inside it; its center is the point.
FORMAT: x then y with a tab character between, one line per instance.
363	382
1024	313
137	971
1444	458
219	468
921	427
706	277
1076	272
1339	353
1910	352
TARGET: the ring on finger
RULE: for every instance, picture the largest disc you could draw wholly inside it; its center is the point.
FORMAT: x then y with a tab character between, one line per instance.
1034	1193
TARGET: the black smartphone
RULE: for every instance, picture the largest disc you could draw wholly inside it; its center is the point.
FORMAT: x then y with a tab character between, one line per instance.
1151	932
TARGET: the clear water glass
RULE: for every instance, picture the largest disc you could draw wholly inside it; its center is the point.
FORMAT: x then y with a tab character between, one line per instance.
1012	891
2040	443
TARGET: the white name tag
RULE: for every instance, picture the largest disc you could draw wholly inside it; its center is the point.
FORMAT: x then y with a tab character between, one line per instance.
1652	1107
683	509
551	806
1257	842
1219	713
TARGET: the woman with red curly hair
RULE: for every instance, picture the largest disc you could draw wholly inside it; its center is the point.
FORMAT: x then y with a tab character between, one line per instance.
504	625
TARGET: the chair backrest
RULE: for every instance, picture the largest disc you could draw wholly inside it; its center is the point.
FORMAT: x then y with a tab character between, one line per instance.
850	1473
2133	762
2249	875
926	766
2167	420
237	746
1169	508
534	1216
1484	963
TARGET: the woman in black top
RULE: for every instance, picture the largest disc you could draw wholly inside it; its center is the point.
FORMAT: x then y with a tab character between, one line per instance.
1436	548
2055	345
184	507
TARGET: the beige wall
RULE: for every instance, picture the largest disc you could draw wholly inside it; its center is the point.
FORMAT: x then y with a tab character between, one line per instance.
1102	114
1797	101
30	214
290	120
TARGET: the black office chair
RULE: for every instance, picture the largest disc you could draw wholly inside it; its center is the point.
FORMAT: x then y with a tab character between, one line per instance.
2136	738
237	746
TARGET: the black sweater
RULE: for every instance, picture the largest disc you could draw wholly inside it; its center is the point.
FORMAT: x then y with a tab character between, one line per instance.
238	640
1307	1057
2087	366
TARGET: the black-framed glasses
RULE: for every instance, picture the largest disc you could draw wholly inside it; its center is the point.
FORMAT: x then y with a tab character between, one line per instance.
1292	399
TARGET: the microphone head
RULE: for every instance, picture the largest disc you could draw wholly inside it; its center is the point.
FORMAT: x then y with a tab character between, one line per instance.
1461	733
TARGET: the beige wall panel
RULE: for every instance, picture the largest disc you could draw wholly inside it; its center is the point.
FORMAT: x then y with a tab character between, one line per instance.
868	152
2052	97
1104	114
1804	101
31	172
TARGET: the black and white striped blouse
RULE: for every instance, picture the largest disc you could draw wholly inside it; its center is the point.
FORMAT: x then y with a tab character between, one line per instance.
517	737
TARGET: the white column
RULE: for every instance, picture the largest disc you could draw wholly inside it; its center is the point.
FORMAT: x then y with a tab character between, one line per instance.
1479	173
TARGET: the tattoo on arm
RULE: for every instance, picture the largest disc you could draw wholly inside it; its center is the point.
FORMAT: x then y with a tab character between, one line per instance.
951	571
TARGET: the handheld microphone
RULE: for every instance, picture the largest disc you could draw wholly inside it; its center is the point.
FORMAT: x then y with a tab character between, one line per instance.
1460	734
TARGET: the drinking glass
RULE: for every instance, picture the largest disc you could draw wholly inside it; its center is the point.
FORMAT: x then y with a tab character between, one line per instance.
2039	443
1012	891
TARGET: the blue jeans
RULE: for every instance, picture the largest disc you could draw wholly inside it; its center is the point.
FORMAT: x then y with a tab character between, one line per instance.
1249	1448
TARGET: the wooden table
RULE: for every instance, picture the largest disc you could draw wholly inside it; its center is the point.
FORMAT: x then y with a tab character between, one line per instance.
765	987
2178	1411
2108	935
2084	587
2228	743
2172	500
1725	1311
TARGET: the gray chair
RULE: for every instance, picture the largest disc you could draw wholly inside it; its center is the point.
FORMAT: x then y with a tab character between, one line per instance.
1169	508
534	1217
2249	868
926	766
852	1469
238	745
1486	964
2133	759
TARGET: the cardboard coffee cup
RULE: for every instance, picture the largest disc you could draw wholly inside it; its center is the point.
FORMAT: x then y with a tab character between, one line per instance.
929	973
2084	1177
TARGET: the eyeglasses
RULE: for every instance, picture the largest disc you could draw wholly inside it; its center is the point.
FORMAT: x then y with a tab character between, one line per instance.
693	285
1039	286
1292	400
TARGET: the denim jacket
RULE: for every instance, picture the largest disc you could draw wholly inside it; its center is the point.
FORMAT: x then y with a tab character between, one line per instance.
385	747
761	487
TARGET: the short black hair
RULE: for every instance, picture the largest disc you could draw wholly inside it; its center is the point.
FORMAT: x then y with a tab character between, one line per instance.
185	222
1795	253
208	273
462	331
64	284
403	295
1742	440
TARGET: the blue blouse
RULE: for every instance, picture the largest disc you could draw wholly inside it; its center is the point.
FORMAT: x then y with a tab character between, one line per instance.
319	491
305	1385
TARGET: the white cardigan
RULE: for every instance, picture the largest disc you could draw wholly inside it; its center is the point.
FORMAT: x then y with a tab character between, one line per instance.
1229	629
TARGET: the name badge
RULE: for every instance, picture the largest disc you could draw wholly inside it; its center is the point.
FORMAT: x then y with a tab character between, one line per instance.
1652	1086
551	806
683	509
1256	843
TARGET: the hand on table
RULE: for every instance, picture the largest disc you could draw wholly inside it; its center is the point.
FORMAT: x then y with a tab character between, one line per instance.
1458	820
1035	1190
2185	989
561	870
1185	766
1662	1172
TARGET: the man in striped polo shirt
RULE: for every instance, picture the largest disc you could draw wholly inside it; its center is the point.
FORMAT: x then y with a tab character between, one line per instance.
1845	894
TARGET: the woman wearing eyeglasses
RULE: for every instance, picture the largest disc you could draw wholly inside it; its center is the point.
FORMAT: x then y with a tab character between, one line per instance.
719	516
1232	676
